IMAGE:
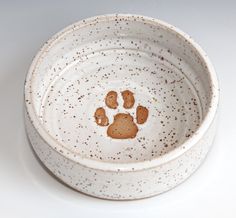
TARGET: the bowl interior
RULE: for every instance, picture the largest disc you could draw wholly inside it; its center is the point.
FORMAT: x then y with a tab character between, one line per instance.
85	61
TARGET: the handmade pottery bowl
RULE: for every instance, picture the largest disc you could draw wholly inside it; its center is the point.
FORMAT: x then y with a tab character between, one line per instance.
167	72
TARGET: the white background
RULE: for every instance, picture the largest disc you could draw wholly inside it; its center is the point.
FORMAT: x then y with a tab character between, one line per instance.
26	188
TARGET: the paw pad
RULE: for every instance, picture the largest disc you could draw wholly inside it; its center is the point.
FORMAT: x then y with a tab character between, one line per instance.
123	126
128	98
101	117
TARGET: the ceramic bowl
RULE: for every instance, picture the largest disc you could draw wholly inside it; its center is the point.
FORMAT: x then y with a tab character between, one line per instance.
167	72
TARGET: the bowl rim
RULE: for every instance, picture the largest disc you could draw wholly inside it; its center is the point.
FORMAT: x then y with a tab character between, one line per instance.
124	167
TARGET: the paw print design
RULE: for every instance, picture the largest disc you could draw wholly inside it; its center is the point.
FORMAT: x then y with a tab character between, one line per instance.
123	126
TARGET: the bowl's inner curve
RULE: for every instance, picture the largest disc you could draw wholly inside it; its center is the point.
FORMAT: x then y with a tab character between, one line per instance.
163	71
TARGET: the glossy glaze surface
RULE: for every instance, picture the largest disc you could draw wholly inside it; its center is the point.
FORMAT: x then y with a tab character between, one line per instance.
166	72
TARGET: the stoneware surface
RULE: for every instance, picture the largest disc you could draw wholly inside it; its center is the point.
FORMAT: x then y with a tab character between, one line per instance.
168	73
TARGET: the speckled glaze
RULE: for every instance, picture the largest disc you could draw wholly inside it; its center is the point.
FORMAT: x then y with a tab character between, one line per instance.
167	72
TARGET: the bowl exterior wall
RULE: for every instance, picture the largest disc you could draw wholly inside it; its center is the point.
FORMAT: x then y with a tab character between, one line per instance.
121	185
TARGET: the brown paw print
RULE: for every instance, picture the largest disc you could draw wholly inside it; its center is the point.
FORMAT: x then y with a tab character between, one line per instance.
123	126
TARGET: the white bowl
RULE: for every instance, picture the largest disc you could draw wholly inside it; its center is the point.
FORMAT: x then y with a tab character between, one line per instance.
168	73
